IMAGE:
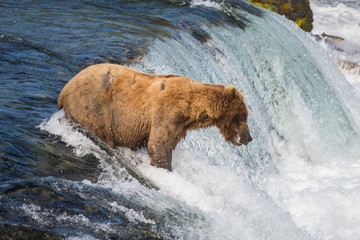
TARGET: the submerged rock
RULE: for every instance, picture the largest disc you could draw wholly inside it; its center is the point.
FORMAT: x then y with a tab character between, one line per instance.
298	11
349	66
14	232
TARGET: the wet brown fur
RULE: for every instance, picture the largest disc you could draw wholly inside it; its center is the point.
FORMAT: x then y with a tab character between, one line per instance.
132	109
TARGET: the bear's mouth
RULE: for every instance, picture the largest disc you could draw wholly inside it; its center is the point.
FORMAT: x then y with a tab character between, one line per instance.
237	139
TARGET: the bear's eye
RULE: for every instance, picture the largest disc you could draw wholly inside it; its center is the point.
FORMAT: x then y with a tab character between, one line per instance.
239	118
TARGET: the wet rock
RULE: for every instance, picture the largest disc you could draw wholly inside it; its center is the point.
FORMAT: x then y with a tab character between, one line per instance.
298	11
348	66
196	31
12	232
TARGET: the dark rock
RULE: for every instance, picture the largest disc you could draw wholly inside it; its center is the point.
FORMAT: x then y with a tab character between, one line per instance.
196	31
12	232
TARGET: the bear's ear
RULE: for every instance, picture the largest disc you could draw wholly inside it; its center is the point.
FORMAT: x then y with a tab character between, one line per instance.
232	93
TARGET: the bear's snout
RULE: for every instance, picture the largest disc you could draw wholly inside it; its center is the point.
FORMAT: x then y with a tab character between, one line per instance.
242	138
248	139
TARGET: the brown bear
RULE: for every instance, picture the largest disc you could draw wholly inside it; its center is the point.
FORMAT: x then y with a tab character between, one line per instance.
124	107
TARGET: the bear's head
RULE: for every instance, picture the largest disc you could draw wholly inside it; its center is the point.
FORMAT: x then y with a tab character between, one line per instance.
233	122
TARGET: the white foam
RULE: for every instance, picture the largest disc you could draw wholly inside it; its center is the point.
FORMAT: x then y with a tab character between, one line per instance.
36	213
82	237
339	20
131	214
80	219
236	209
206	3
353	76
58	125
46	217
322	198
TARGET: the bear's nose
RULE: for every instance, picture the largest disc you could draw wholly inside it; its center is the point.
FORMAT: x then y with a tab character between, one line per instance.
249	139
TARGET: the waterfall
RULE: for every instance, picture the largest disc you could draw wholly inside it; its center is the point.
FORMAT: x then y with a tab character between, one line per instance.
296	180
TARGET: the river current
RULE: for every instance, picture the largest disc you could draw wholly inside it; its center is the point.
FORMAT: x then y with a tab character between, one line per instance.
298	179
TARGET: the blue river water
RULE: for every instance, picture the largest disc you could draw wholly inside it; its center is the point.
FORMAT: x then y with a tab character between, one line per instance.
298	179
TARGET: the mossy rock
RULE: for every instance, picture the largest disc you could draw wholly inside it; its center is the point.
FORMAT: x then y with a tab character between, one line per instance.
298	11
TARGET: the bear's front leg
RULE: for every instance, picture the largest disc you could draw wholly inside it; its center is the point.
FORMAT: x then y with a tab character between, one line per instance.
160	154
161	143
165	133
